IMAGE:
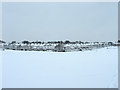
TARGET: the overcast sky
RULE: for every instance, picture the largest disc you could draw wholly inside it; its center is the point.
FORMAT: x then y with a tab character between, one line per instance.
88	21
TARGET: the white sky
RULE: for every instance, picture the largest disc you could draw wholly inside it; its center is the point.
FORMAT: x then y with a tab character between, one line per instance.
86	21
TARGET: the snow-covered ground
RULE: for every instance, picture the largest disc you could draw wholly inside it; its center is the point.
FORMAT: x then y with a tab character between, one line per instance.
36	69
0	69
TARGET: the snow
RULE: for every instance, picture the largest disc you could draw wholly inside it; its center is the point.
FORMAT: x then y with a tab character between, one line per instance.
83	69
0	69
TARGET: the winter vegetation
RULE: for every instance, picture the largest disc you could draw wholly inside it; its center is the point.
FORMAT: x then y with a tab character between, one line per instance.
56	46
59	65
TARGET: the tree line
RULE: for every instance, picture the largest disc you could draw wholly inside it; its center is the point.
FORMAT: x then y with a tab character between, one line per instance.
50	42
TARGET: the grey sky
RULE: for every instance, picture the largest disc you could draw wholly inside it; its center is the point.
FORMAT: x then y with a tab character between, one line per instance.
88	21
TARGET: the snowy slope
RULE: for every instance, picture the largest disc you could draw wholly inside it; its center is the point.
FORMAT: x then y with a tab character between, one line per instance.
34	69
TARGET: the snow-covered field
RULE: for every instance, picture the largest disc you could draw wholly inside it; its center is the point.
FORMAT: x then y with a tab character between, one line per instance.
0	69
36	69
